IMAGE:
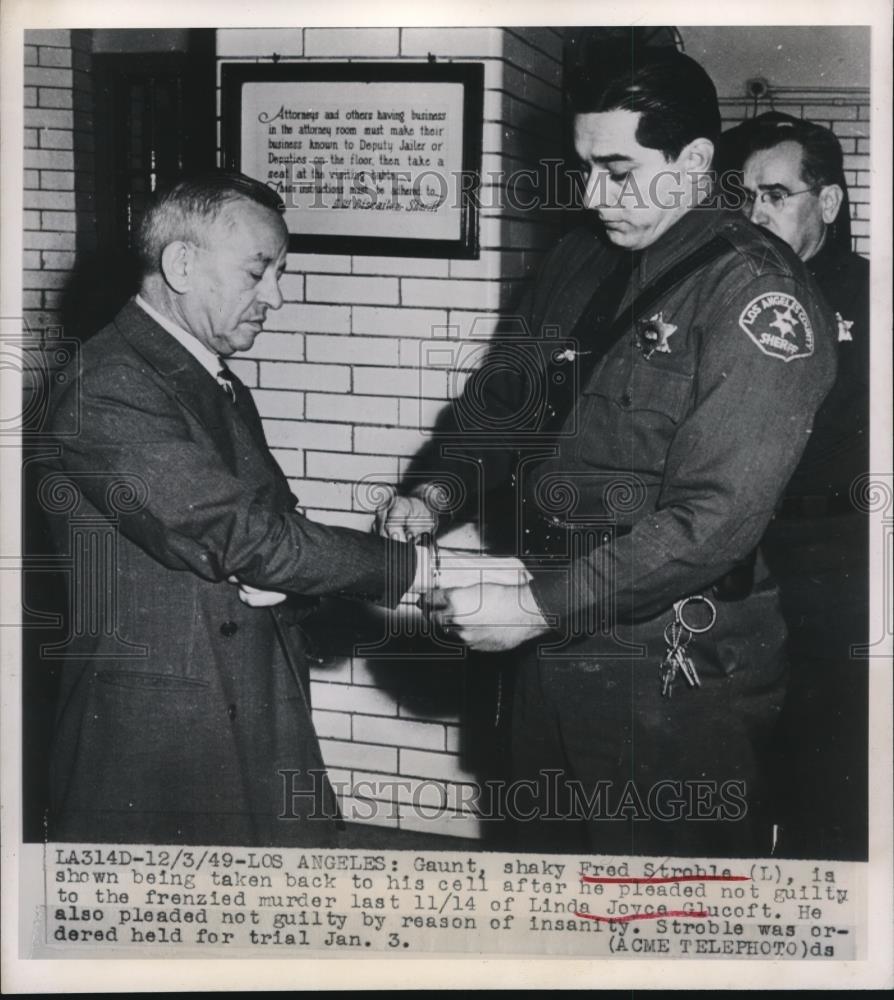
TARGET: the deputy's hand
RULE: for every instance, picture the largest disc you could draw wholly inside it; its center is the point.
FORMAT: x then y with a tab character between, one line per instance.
405	519
254	597
490	617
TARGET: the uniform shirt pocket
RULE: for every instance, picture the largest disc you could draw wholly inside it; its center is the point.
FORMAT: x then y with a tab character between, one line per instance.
629	418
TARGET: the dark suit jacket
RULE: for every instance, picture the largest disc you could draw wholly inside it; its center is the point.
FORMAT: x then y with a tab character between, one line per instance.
179	710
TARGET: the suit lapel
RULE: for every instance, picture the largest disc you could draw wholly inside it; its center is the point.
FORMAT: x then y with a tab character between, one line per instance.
192	385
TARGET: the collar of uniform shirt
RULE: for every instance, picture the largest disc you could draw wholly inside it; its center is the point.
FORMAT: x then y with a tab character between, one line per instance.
210	361
697	226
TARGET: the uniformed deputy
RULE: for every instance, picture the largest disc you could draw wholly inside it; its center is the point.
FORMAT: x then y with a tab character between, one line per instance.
701	352
817	545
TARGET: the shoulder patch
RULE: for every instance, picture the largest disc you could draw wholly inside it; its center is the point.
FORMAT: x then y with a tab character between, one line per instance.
779	325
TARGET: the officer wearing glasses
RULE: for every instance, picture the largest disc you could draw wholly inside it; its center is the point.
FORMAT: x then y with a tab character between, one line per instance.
817	545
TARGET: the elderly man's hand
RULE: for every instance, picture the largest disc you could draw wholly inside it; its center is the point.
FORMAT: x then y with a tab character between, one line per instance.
490	617
254	597
405	519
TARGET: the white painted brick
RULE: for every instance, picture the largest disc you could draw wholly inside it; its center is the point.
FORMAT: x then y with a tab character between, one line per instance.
468	294
336	725
48	76
54	97
400	266
346	754
394	788
317	263
277	346
291	287
434	765
279	404
364	812
32	300
321	494
443	42
445	823
347	698
31	179
341	519
400	382
58	200
388	441
289	375
454	739
290	461
372	291
246	371
399	732
57	180
49	159
399	322
340	779
353	408
65	221
31	220
31	260
420	412
414	353
259	42
352	43
357	350
44	279
306	434
58	37
54	57
311	318
351	468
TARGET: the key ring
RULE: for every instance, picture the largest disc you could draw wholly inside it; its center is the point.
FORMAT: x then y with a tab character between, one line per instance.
694	629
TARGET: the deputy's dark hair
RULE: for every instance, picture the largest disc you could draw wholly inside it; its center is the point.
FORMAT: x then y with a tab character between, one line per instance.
674	95
188	207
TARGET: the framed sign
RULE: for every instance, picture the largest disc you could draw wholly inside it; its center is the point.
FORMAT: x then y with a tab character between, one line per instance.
369	158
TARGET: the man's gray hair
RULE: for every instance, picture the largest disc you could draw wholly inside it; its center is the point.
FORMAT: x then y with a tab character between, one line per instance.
188	208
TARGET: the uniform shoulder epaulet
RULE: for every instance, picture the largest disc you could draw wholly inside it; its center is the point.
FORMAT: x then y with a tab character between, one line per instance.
765	253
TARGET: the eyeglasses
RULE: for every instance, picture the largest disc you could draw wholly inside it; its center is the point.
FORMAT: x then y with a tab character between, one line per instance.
774	198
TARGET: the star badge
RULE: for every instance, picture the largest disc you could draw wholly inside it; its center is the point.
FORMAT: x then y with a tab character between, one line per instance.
844	328
654	334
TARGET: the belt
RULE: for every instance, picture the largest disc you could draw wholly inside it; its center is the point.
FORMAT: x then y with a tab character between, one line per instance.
815	506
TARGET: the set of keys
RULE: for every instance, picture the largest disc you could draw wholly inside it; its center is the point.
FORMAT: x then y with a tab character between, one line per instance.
678	634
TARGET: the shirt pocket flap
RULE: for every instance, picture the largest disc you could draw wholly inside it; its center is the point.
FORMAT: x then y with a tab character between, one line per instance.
645	387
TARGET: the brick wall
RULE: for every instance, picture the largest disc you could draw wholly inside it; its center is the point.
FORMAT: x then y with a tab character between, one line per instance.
349	384
58	198
846	113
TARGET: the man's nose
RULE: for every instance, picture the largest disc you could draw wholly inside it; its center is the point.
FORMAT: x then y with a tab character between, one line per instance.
269	292
595	195
757	213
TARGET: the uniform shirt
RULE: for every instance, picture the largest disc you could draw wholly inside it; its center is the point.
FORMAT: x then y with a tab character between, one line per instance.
689	448
838	450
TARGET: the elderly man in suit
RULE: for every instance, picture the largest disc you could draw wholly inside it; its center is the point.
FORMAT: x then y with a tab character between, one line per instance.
188	721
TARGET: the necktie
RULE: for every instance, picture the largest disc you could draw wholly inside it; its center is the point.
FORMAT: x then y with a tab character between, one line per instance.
227	381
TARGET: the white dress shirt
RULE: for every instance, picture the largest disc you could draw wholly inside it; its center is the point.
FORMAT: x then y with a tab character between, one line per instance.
210	361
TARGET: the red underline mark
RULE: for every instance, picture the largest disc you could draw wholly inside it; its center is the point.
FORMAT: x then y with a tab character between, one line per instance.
643	916
634	880
667	878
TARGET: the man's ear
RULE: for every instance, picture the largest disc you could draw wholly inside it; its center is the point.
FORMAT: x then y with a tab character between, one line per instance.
830	198
176	265
697	156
